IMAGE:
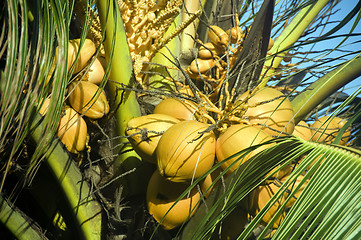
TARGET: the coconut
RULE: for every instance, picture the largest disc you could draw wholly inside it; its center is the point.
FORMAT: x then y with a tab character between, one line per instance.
206	184
96	72
181	109
144	133
162	196
327	129
88	99
269	109
303	131
186	151
72	131
237	138
259	198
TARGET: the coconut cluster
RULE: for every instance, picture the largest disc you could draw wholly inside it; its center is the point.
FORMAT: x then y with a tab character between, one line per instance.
184	146
85	97
187	135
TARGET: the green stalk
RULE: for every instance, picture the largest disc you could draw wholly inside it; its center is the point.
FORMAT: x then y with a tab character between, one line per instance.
314	94
289	36
170	51
85	212
121	74
17	224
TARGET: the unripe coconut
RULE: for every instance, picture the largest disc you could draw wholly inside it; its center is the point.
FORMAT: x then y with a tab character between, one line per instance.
96	72
268	106
162	195
185	152
72	131
145	132
303	131
326	131
237	138
183	110
88	99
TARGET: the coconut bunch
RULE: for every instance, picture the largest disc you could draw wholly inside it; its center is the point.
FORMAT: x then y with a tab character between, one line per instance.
85	97
187	135
217	55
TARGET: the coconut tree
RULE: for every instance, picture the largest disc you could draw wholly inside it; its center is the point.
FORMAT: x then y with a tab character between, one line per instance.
70	168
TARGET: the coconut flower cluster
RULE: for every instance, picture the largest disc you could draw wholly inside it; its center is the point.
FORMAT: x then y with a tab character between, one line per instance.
85	97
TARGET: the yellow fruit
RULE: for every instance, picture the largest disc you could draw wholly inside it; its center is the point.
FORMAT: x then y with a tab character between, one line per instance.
237	138
326	131
183	110
72	131
236	34
44	107
269	107
96	72
261	195
209	50
200	65
88	99
184	152
206	183
145	132
218	36
86	52
303	131
162	194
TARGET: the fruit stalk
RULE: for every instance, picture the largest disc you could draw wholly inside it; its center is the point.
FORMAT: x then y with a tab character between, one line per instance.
121	70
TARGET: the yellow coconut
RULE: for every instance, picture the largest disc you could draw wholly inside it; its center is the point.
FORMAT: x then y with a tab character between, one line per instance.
206	183
259	198
88	99
303	131
200	65
327	129
269	109
161	197
96	72
209	50
218	36
86	52
72	131
44	106
144	133
237	138
185	151
181	109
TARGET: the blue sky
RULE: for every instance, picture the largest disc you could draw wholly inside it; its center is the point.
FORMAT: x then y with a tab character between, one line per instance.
345	6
